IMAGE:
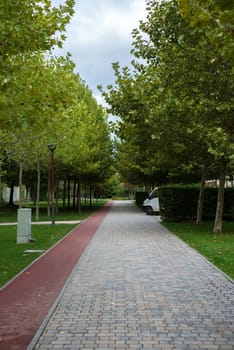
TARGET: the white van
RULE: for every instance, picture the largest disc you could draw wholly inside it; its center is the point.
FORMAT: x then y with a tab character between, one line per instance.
151	204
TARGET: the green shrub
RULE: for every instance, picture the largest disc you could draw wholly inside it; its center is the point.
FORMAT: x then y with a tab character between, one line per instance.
140	197
210	202
179	202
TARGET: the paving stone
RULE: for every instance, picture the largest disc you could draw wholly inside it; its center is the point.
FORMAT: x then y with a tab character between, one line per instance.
138	286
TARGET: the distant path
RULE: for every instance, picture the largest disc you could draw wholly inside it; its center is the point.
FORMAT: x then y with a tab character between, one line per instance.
26	300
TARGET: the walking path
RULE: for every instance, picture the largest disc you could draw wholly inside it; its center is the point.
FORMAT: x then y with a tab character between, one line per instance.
137	286
26	300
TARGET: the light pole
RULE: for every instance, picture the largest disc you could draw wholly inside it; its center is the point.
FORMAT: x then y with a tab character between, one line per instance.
52	149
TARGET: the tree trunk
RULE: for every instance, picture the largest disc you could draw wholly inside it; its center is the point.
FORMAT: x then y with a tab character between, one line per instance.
56	197
68	193
220	199
64	193
20	184
74	195
38	187
3	157
48	195
78	196
11	198
201	196
85	194
0	183
90	194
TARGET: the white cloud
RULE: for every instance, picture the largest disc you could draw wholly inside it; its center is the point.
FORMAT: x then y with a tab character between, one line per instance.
100	34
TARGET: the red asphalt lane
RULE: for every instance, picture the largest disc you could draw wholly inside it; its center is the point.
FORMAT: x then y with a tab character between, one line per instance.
26	300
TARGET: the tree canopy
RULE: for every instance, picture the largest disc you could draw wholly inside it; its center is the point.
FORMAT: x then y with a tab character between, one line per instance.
28	26
43	100
176	101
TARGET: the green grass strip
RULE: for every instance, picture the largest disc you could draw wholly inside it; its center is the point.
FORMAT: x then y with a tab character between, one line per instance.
217	248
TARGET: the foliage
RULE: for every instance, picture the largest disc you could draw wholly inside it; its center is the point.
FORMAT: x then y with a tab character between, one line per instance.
140	197
43	101
179	203
217	248
28	26
176	104
112	187
47	103
215	18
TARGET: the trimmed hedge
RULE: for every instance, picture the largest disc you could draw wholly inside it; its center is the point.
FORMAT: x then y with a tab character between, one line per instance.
140	197
179	203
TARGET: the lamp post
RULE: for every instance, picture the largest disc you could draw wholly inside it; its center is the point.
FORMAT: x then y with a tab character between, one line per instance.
52	149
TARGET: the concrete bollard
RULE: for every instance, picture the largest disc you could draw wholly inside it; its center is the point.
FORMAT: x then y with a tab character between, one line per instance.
24	225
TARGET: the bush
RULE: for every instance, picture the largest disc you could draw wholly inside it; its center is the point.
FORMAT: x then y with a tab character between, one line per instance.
210	202
140	197
179	203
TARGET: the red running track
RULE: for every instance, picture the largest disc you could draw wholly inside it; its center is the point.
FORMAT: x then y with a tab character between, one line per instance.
25	301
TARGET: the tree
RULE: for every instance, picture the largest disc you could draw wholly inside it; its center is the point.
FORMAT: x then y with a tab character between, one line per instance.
86	135
26	27
184	84
42	100
29	26
36	98
55	106
215	19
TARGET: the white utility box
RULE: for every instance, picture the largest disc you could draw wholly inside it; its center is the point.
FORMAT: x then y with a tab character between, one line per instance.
24	225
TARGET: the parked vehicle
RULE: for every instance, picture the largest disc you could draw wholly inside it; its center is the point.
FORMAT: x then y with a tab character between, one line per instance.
151	204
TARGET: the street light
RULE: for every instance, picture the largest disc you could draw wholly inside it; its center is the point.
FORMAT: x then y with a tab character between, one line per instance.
52	149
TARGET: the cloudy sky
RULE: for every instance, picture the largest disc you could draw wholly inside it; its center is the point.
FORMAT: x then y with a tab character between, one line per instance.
99	34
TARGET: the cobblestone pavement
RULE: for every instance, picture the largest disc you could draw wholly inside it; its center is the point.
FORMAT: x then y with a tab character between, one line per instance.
137	286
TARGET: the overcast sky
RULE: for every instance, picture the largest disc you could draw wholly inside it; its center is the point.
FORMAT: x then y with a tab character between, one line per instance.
100	34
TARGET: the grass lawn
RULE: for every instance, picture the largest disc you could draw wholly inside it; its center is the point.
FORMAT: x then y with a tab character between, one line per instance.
9	214
13	257
217	248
